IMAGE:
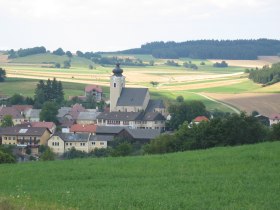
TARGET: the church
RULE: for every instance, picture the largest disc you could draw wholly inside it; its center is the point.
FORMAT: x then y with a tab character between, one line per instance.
132	107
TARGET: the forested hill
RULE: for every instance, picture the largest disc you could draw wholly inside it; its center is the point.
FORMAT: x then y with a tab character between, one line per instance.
210	49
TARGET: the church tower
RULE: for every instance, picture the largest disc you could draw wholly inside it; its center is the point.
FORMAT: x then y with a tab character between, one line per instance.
116	85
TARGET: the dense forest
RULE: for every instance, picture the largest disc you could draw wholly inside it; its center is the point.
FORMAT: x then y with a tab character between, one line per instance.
267	75
210	49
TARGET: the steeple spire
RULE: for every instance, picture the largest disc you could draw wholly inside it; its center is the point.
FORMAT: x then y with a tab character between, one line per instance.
117	70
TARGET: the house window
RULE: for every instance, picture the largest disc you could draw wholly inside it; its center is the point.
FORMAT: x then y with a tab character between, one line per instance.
115	85
93	143
66	144
70	144
101	143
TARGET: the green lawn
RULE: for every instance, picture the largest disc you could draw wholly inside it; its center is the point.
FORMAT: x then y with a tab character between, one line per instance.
244	177
27	87
48	58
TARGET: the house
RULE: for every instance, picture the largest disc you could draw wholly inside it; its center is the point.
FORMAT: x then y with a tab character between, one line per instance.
200	119
95	91
63	142
140	135
16	115
33	115
149	120
88	117
274	119
50	125
87	128
22	108
25	137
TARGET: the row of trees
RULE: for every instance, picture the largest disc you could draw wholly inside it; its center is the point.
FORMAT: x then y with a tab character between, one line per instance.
267	75
229	131
210	49
25	52
49	91
223	64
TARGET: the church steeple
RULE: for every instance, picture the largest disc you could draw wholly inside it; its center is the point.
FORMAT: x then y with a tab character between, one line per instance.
117	70
117	83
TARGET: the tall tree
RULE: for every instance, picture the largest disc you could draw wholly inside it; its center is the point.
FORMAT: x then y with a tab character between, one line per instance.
2	75
49	112
7	121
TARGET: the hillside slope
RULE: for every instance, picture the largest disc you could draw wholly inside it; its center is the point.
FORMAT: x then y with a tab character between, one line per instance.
245	177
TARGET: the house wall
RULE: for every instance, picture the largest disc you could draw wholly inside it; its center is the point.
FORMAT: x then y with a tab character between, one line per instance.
273	121
44	138
9	139
56	144
86	122
78	145
97	144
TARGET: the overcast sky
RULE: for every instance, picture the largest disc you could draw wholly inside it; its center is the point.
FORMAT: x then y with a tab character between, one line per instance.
108	25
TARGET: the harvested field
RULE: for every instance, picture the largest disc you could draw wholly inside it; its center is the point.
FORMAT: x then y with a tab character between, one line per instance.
245	63
271	59
265	104
3	58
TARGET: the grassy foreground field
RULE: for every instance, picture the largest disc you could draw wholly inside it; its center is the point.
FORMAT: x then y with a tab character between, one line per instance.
244	177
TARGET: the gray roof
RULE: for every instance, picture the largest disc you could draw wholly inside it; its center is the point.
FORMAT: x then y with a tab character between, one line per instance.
135	133
153	116
143	133
27	131
108	129
101	138
154	104
132	97
88	115
71	137
126	116
63	111
33	113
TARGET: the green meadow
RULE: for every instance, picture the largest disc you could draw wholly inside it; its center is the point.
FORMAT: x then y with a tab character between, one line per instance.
242	177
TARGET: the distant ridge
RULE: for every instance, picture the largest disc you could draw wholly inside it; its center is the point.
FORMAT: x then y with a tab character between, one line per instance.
241	49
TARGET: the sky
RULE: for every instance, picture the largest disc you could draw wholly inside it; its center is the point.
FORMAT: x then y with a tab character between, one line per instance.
111	25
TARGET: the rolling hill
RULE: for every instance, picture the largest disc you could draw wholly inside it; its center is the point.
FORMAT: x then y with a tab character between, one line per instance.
243	177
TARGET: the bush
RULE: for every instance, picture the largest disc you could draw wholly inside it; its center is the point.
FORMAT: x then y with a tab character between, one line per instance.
48	155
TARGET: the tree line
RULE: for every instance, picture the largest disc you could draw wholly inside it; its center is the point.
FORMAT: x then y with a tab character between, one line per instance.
209	49
25	52
227	131
267	75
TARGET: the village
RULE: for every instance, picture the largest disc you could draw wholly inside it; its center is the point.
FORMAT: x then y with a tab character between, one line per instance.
132	115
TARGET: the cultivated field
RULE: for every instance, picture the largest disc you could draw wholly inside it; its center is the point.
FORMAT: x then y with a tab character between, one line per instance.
264	103
206	179
172	81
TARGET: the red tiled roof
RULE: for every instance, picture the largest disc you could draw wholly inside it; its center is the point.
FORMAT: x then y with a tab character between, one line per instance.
10	111
97	88
48	125
90	128
22	108
275	117
200	119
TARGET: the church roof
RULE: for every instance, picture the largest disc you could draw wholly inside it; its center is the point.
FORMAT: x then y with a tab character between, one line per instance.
154	104
132	96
